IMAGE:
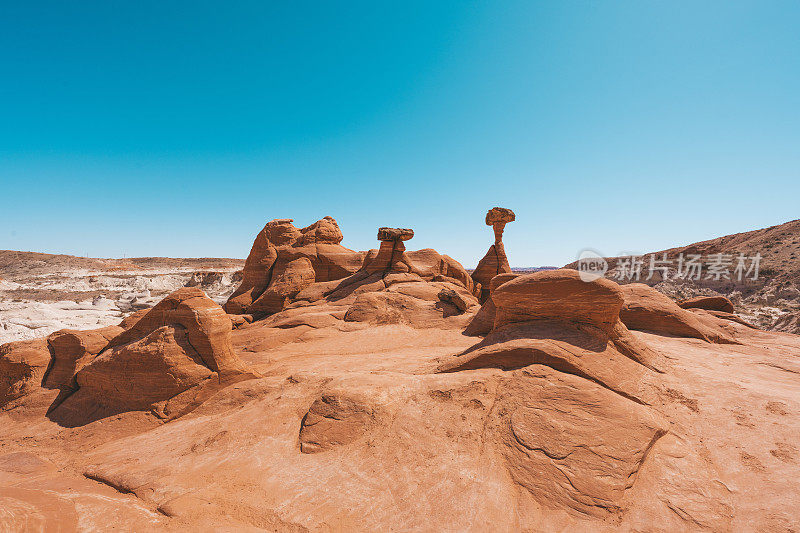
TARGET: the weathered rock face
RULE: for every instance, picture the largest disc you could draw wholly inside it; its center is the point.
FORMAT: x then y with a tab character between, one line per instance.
152	369
572	443
182	343
483	321
556	319
73	350
208	329
710	303
647	309
288	279
495	261
279	244
22	367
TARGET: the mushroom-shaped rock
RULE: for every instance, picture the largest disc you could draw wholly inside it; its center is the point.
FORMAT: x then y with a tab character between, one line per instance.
391	256
495	261
498	217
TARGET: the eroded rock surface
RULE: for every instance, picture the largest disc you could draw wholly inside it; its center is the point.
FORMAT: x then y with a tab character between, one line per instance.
495	261
22	366
648	310
181	343
279	245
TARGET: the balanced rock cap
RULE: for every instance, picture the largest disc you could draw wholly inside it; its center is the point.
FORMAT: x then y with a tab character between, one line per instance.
395	234
497	215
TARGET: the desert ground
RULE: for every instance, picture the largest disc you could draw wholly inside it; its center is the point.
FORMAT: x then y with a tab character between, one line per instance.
316	388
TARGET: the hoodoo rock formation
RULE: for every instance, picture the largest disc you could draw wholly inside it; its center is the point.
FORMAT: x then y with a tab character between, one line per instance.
495	261
277	258
392	286
391	256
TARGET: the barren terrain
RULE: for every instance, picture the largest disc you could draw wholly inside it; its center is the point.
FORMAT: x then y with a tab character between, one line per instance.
393	390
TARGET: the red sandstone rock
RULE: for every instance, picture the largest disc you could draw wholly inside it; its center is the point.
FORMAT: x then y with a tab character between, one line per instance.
319	243
483	321
558	295
555	318
73	350
208	329
452	297
495	261
182	344
648	310
136	375
22	367
334	420
288	279
710	303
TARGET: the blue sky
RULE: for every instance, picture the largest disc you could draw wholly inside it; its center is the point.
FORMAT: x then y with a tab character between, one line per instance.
180	128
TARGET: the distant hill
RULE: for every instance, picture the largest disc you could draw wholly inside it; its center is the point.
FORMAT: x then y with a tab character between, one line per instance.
772	301
14	264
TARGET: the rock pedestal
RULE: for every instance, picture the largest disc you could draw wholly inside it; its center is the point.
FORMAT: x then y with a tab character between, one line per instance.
391	256
495	261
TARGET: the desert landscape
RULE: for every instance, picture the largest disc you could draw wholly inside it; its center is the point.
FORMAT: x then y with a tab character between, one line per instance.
316	388
402	267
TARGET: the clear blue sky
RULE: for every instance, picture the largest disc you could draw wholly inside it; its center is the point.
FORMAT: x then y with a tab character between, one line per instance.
180	128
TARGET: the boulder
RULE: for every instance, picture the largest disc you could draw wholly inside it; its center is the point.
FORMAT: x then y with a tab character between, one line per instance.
208	329
334	420
647	309
22	366
710	303
554	318
483	321
452	297
558	295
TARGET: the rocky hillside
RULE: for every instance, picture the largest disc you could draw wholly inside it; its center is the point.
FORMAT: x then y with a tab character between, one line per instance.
772	301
